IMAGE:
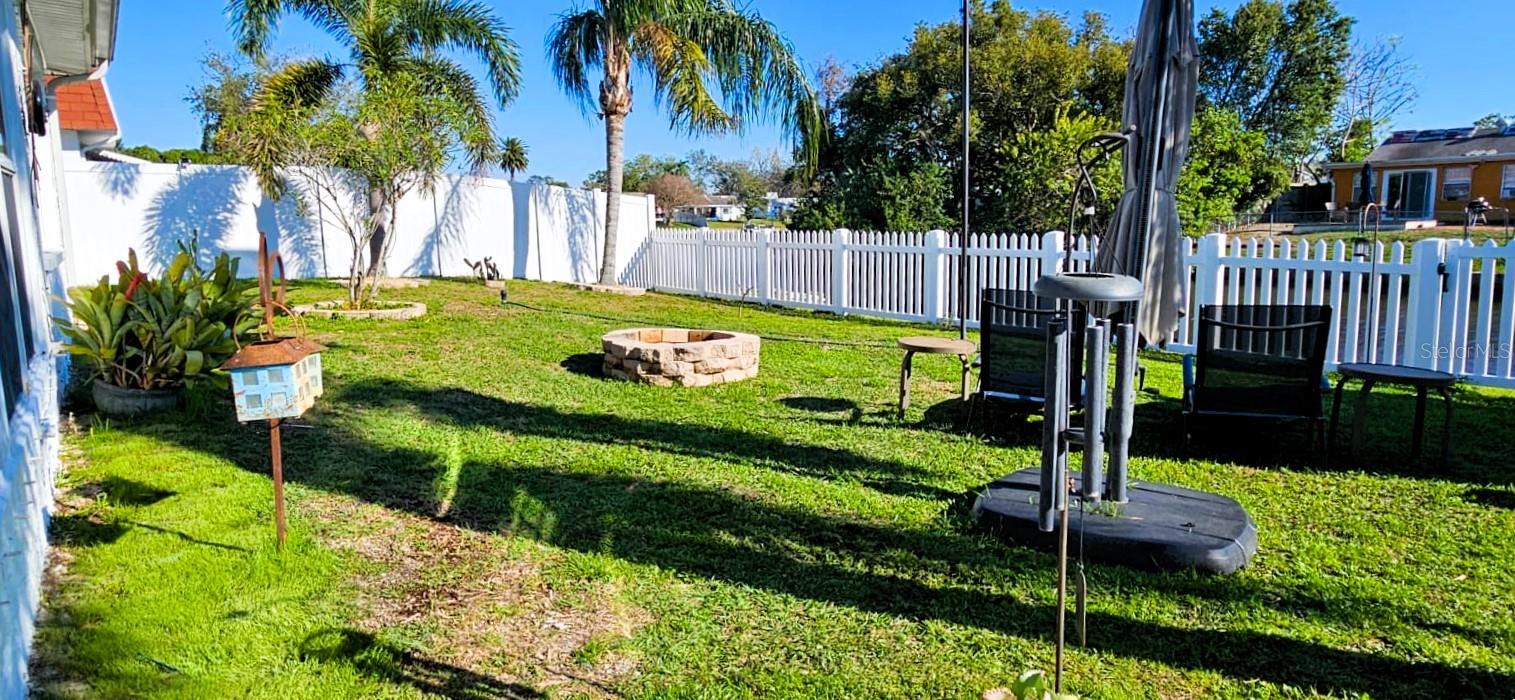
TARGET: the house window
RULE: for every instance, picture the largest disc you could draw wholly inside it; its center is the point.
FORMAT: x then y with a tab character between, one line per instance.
1507	184
16	341
1458	184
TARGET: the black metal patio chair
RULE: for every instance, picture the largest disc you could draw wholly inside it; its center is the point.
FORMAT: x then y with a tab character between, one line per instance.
1257	362
1013	348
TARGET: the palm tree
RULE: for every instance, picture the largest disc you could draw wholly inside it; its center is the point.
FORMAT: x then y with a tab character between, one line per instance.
386	39
513	157
713	66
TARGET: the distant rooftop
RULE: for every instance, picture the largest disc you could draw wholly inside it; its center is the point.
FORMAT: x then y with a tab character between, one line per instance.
1446	144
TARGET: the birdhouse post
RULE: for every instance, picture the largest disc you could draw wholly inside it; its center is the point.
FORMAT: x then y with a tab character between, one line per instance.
274	378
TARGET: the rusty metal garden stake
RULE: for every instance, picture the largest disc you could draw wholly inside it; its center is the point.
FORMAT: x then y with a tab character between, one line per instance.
278	450
274	378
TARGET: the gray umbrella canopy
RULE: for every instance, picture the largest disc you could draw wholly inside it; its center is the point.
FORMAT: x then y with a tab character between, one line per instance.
1145	239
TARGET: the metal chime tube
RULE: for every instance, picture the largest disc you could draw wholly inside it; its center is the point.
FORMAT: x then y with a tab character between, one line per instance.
1123	410
1096	368
1054	427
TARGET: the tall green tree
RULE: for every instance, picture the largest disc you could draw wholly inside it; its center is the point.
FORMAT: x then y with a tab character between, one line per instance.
1279	68
1227	167
1494	120
513	157
713	66
391	45
1035	73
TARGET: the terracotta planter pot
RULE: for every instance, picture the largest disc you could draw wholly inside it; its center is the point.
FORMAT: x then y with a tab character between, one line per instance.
120	401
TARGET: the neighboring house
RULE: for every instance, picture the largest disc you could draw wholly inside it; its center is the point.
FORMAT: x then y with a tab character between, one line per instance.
718	207
1420	176
68	41
776	207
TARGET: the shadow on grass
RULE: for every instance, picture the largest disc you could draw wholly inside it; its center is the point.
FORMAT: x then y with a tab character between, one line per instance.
393	664
586	364
463	407
722	536
1481	452
84	530
119	491
1492	497
828	407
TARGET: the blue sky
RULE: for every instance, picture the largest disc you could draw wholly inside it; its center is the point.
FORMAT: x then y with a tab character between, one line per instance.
161	42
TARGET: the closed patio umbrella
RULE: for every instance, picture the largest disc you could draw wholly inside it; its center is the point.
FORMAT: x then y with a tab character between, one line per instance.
1365	186
1145	237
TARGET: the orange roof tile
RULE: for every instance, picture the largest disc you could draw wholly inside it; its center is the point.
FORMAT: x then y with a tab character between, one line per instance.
84	106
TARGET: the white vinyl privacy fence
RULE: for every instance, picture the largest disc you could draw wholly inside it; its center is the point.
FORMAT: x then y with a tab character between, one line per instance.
1441	304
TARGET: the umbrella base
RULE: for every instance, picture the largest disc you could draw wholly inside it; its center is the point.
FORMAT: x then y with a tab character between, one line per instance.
1161	528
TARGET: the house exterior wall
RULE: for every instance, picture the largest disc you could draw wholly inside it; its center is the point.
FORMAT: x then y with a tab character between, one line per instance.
1487	178
30	373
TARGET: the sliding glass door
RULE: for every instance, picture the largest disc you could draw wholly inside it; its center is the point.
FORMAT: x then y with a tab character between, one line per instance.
1407	194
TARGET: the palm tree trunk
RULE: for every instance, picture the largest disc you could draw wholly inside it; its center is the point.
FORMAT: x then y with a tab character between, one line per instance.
615	137
376	207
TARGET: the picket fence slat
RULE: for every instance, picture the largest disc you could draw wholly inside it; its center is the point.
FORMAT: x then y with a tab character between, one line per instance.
1438	303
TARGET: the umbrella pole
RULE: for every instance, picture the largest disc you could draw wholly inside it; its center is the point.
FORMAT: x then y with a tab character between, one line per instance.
962	255
1151	152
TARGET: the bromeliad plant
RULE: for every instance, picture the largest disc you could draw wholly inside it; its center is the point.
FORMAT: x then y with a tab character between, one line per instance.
158	333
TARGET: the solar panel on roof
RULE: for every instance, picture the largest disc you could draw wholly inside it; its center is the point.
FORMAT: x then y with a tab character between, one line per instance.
1431	135
1508	130
1461	133
1402	137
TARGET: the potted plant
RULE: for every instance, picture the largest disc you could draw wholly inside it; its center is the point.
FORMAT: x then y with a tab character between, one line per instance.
144	338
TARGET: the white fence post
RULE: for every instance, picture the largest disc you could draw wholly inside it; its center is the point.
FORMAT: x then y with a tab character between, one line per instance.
764	268
1209	280
701	260
931	282
839	270
1423	312
1052	252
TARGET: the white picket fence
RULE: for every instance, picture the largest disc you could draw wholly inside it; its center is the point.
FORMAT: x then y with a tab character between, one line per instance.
1441	304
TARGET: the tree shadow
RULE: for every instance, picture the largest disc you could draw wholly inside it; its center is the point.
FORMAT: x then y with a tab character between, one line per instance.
726	536
463	407
119	179
447	232
372	657
199	205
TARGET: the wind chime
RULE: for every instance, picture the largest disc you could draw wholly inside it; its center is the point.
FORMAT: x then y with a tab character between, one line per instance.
276	377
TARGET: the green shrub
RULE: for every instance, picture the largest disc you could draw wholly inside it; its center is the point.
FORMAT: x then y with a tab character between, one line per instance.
146	333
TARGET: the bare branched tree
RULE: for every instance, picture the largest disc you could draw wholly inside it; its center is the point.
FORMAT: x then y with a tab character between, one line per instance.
1380	84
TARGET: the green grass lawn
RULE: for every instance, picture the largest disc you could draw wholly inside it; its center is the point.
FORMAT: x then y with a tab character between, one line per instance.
1347	233
476	514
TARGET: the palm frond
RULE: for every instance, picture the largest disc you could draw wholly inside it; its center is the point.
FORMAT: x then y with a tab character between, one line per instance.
679	68
298	84
757	70
467	26
254	21
576	46
441	76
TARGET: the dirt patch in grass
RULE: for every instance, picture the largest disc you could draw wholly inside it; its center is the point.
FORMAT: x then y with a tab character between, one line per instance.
483	602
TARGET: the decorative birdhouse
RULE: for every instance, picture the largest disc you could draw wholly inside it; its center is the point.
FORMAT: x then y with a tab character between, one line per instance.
278	378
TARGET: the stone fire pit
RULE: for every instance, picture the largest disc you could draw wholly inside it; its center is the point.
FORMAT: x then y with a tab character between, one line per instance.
669	356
